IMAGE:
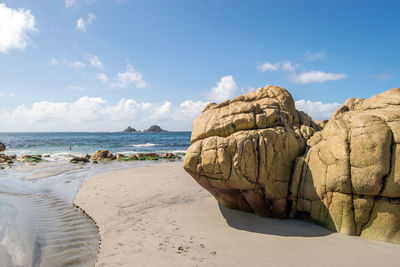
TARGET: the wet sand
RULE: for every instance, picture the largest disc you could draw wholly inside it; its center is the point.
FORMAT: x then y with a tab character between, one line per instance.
157	215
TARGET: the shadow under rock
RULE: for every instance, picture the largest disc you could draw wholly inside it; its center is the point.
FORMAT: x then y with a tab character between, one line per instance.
283	227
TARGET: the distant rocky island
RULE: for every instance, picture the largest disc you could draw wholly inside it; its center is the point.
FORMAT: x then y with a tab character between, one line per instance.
155	129
152	129
129	130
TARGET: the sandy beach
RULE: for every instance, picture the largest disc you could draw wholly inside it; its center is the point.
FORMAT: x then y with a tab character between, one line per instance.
157	215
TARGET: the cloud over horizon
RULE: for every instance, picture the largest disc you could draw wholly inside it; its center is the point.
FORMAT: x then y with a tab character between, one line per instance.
15	25
96	114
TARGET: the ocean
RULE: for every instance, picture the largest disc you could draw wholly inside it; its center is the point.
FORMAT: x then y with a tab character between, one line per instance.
58	144
39	226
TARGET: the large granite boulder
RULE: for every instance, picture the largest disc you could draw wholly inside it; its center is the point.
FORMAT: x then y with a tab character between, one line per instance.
349	178
258	153
243	150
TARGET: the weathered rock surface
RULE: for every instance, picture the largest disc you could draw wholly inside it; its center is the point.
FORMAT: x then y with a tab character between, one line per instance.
349	179
258	153
243	150
2	146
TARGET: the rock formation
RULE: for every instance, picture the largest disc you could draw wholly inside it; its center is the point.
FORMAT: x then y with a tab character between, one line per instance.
243	150
79	159
257	153
6	159
130	130
349	179
2	146
103	155
155	128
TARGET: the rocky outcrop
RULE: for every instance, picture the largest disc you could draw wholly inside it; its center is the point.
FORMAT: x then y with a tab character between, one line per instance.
349	179
130	130
6	159
155	129
30	158
103	155
2	146
258	153
79	160
243	150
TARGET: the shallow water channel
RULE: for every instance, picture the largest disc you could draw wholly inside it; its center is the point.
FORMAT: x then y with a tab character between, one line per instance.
39	226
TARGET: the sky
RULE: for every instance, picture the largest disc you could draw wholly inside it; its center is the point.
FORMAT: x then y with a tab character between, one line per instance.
103	65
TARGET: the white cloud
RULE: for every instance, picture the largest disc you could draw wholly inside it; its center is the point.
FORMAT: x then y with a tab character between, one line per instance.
102	77
81	23
77	64
315	56
95	114
94	61
317	110
130	76
280	65
317	77
268	66
53	62
226	88
288	66
15	24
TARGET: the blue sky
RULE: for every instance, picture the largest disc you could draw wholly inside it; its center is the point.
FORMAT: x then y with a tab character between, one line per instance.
101	65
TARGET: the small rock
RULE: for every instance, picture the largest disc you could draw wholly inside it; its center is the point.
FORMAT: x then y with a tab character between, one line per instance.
79	159
2	146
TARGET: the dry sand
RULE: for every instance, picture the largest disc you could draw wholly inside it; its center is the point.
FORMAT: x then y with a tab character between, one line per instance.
157	215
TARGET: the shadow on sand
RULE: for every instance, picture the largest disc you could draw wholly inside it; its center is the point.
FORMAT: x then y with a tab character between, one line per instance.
283	227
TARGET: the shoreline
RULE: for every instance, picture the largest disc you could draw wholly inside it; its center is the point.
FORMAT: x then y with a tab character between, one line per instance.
158	215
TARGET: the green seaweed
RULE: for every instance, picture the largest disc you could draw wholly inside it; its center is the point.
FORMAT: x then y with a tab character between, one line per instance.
151	158
126	158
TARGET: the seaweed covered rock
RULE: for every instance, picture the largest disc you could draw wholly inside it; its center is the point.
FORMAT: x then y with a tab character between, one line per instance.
243	150
79	160
30	158
349	178
6	159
